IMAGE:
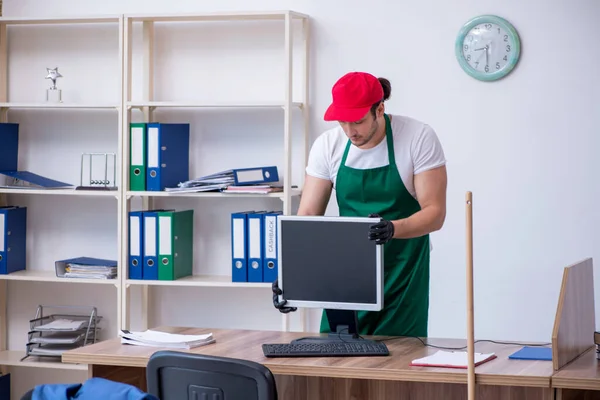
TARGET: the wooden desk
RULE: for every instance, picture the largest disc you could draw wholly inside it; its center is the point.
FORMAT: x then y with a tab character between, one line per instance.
372	378
579	379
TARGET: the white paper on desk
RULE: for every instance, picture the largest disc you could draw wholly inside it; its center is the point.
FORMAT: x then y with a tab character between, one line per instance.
164	339
452	359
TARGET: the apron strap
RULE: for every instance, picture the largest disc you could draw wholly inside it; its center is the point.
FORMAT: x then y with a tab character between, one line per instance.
389	136
346	151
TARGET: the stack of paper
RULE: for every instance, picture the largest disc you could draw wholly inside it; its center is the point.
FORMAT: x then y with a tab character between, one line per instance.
74	270
163	339
258	189
61	325
52	349
451	359
208	183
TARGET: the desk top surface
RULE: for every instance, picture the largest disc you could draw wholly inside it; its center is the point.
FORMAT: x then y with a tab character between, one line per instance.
581	373
246	344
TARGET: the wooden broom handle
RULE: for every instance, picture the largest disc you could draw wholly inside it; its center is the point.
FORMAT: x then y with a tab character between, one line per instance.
470	327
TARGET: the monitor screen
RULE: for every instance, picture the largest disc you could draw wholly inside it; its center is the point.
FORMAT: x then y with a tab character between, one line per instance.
329	262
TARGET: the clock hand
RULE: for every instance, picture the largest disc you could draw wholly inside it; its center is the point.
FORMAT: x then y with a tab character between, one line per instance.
486	55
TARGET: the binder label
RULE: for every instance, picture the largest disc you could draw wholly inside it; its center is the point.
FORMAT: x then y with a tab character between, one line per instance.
150	236
270	227
164	235
153	147
137	146
238	238
254	238
134	236
251	175
2	224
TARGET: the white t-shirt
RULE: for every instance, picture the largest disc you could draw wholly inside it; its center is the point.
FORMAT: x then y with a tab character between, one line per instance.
416	148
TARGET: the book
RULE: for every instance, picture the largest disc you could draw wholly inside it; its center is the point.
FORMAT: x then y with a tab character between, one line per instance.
452	359
532	353
163	339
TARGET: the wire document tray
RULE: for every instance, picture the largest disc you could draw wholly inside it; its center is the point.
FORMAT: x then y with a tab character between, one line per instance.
56	329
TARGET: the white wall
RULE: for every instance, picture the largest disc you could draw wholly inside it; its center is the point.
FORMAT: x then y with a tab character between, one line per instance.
526	146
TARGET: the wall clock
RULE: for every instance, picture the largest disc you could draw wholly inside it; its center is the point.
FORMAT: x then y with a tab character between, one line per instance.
488	47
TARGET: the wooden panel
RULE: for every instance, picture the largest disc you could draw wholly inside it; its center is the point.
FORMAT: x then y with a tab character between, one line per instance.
219	16
575	322
130	375
312	388
246	345
583	373
570	394
3	70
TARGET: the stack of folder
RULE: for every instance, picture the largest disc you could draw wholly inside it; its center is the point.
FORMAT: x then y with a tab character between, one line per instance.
254	246
159	155
86	268
241	179
161	244
13	233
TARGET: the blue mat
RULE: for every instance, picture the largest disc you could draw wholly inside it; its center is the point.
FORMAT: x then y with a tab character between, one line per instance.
532	353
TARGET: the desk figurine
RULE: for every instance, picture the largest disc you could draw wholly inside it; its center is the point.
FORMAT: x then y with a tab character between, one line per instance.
98	178
53	94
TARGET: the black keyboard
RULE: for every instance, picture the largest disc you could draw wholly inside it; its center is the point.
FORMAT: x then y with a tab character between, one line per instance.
337	349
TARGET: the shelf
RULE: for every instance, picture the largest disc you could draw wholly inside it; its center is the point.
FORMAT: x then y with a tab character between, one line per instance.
63	20
217	16
59	105
50	276
191	104
12	358
277	195
62	192
201	281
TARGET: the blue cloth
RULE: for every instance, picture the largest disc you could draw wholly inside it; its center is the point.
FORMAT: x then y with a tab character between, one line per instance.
92	389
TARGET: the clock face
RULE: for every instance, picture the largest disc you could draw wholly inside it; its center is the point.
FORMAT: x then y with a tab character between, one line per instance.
489	48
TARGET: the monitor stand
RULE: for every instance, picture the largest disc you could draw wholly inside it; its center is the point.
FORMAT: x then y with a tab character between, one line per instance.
343	325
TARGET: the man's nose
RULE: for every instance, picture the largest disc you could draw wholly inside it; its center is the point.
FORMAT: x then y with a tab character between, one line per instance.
349	129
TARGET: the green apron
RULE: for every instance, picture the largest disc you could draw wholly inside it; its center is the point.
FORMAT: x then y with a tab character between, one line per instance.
360	192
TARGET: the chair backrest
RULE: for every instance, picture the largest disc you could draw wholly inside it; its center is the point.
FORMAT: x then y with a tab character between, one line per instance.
174	375
28	395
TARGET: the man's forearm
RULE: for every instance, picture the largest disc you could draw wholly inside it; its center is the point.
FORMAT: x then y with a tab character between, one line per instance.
421	223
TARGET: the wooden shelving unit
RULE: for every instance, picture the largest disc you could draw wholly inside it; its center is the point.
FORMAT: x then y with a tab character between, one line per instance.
149	104
12	357
123	109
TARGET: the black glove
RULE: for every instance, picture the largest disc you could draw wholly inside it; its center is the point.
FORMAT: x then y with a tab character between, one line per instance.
381	232
280	305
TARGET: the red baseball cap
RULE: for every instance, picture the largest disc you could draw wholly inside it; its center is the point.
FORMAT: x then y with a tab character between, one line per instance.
353	96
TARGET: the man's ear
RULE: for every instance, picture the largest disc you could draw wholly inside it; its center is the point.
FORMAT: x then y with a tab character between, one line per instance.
380	110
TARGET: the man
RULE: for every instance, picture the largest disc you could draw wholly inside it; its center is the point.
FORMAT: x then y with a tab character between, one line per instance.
391	167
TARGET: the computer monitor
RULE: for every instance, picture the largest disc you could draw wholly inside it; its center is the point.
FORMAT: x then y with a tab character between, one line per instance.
329	262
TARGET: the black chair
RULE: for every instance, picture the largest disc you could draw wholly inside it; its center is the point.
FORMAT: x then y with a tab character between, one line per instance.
28	395
173	375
